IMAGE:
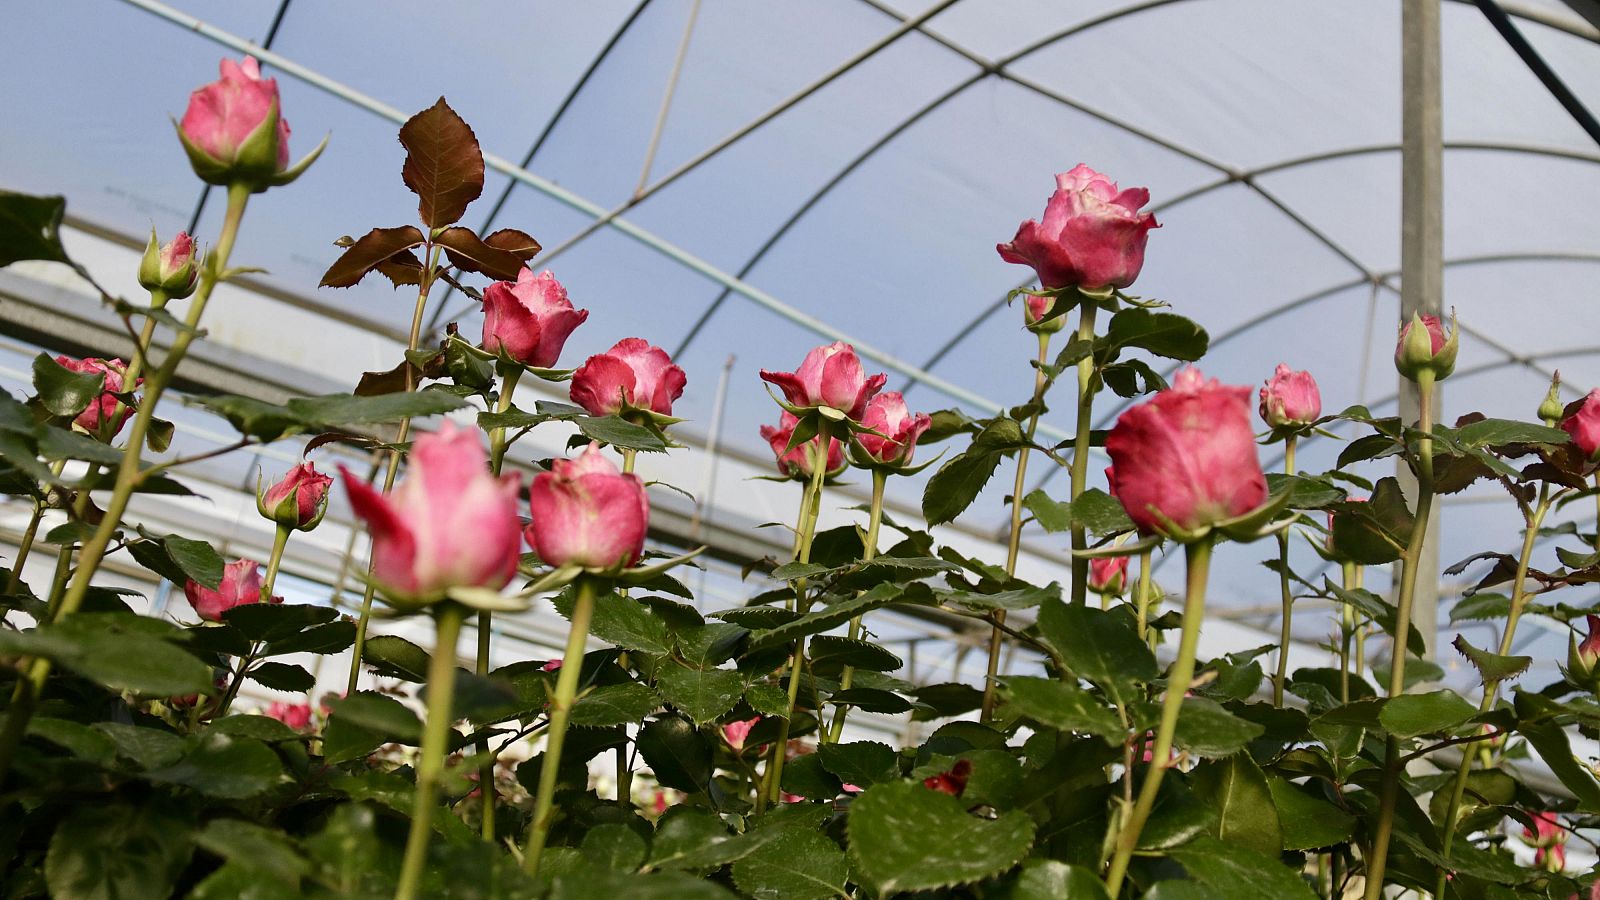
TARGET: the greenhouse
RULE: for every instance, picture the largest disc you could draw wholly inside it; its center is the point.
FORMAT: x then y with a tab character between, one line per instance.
858	448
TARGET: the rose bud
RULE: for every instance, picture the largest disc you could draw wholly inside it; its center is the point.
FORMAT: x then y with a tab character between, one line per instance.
796	462
1108	575
735	733
887	414
449	524
1290	400
241	584
1584	425
298	500
171	268
1423	347
1187	458
830	376
587	513
1548	838
953	782
1551	409
1582	657
234	131
530	320
1092	235
633	375
1034	310
553	665
105	415
295	715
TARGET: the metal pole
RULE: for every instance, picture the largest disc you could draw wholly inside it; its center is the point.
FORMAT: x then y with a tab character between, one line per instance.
1421	246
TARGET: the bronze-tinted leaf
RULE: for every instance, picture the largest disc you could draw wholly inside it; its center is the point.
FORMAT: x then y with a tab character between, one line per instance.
512	240
470	254
444	166
374	248
394	381
402	269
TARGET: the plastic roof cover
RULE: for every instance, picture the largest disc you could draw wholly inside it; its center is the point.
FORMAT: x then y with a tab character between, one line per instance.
1267	131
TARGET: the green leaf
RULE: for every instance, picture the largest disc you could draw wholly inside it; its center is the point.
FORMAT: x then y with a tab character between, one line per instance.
118	851
830	653
81	741
223	766
614	846
264	850
871	699
62	391
685	832
236	881
333	637
361	722
1103	647
1497	432
1100	513
1061	705
588	883
904	837
677	753
795	865
194	559
252	417
805	776
1375	532
1492	667
958	481
1550	742
148	748
630	625
767	699
282	677
1308	821
30	228
1438	712
1239	873
1048	879
827	617
395	657
261	728
1206	729
122	652
704	695
1053	516
1163	334
1016	598
275	621
332	411
621	434
863	763
616	704
1237	790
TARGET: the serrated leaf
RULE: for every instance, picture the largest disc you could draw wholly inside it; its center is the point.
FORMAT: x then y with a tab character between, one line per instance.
263	850
118	850
276	621
62	391
1100	514
282	677
444	166
613	846
795	865
224	766
905	837
1206	729
30	228
1492	667
343	410
863	763
830	653
704	695
148	748
1061	705
828	617
371	251
1550	742
1308	822
1437	712
80	740
959	480
629	624
1049	879
1163	334
677	753
122	652
260	728
395	657
621	434
1238	873
1100	646
1052	515
615	704
1237	790
468	253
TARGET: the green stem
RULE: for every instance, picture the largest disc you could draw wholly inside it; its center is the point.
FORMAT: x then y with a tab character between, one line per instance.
1014	541
1080	451
497	436
869	552
560	714
128	475
1142	600
280	540
1178	680
1409	568
1347	629
1491	689
1597	512
358	649
14	580
1286	592
486	766
448	617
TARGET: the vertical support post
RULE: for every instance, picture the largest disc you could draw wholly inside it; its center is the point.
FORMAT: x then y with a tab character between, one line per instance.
1421	245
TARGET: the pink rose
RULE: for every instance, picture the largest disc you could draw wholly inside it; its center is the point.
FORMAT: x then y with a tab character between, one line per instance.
586	512
1584	425
1187	457
449	524
1423	346
105	415
530	320
735	732
1290	399
298	500
1092	236
294	715
1589	648
241	584
169	268
829	376
1549	838
796	463
1108	575
887	414
633	374
553	665
234	127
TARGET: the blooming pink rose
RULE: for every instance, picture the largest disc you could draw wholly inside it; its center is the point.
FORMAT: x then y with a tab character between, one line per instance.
796	463
102	418
241	584
586	512
887	414
1426	348
1111	480
236	122
294	715
953	782
170	268
1092	236
830	376
1584	425
632	373
530	320
735	732
1187	456
299	499
449	524
1290	399
1108	575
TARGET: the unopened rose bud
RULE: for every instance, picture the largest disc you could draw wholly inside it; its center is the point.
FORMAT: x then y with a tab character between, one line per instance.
1424	347
1108	575
1582	657
298	500
1584	425
1290	400
234	131
1551	408
1034	310
169	268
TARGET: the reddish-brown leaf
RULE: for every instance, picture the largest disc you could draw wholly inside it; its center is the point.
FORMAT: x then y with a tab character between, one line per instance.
402	269
444	166
394	381
364	255
514	241
470	254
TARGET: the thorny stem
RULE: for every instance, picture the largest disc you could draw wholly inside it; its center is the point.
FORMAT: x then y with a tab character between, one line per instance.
435	739
869	552
1285	590
560	715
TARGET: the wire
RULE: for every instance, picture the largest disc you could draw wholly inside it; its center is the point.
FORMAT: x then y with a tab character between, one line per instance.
1535	63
